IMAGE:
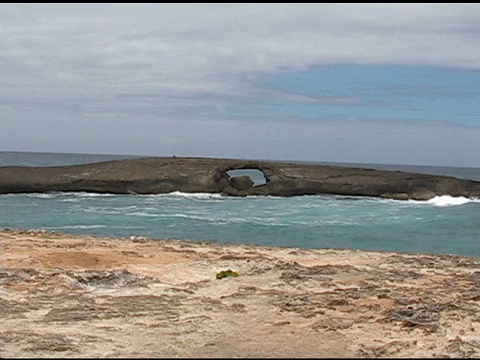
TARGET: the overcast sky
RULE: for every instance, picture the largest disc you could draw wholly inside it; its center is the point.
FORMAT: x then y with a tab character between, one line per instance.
364	83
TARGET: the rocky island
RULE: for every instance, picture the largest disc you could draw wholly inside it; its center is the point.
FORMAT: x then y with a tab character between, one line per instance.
163	175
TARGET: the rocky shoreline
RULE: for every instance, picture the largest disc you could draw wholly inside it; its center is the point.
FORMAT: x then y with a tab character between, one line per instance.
75	296
164	175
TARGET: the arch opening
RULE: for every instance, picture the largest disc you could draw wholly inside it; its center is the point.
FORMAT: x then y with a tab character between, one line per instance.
257	176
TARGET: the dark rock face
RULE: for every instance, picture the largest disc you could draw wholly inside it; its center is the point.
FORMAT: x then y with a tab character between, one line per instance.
163	175
241	182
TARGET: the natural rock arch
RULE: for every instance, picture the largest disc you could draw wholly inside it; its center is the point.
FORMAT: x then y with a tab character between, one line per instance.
241	176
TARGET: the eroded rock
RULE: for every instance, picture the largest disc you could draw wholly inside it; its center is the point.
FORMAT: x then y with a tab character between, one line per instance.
241	182
164	175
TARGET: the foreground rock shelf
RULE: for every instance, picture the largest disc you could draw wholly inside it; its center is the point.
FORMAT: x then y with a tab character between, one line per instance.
70	296
164	175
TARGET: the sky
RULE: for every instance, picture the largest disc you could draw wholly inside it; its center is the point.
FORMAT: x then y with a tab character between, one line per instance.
336	82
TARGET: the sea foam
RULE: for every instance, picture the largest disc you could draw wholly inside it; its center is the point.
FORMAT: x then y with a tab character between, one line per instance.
195	195
41	195
84	227
446	200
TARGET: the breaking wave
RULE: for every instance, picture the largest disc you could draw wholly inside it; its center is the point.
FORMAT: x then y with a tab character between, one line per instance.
200	196
447	200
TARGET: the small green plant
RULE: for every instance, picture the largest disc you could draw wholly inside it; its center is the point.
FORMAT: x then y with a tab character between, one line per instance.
225	273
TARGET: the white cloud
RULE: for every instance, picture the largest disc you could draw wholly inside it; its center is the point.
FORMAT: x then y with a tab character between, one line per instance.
102	49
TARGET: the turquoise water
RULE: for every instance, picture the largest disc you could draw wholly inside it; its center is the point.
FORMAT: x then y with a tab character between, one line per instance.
443	225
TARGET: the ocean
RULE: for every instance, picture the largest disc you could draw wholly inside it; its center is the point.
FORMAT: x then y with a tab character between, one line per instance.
443	225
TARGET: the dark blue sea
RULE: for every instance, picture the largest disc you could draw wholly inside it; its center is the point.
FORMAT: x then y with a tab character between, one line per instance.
443	225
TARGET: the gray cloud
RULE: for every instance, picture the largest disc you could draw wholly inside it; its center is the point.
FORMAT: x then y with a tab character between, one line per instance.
128	68
350	140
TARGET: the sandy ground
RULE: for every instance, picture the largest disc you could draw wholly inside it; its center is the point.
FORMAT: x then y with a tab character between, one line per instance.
86	296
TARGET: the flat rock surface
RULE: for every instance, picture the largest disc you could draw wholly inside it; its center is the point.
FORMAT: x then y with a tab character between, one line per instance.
164	175
75	296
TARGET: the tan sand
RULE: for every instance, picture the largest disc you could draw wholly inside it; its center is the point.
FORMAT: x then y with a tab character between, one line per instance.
87	296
